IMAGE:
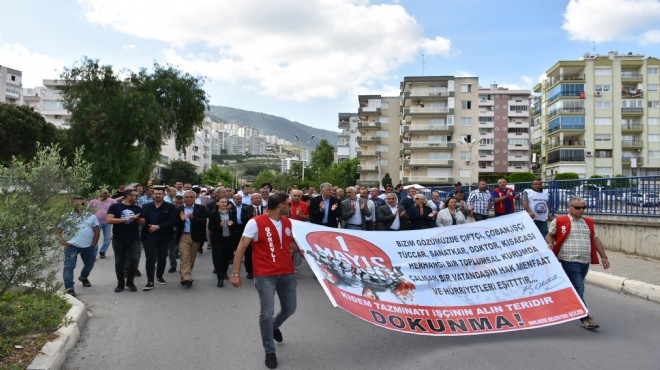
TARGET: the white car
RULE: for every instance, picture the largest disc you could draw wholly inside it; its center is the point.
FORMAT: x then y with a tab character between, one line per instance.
643	199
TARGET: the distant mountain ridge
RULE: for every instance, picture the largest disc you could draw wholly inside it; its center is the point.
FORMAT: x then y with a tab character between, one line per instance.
272	125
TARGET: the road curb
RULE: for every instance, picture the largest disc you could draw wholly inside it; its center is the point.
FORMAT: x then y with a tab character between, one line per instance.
619	284
53	354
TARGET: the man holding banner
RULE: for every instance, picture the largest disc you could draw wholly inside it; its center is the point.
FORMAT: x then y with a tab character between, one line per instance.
576	245
272	240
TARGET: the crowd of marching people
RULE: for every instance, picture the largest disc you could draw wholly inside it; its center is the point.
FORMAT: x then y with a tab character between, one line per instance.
172	224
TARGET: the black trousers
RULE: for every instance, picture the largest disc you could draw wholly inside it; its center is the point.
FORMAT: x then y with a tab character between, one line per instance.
127	254
156	257
221	253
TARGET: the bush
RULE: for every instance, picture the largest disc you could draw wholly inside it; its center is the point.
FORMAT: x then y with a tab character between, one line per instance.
30	213
521	177
567	176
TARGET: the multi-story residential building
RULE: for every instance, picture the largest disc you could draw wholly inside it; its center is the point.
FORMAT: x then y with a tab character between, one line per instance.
448	130
504	138
601	116
47	101
257	145
347	145
11	85
379	143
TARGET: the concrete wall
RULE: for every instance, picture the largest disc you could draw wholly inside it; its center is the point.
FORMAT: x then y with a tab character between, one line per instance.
633	235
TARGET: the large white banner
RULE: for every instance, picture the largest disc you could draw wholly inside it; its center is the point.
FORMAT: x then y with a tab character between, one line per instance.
483	277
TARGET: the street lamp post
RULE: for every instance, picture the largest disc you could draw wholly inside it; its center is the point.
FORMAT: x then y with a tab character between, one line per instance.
302	160
471	145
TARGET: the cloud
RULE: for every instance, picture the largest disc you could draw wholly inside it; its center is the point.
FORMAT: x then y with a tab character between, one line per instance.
613	20
528	80
461	73
290	49
34	66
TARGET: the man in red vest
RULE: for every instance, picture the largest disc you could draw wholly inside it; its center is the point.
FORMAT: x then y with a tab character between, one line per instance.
574	241
272	240
504	199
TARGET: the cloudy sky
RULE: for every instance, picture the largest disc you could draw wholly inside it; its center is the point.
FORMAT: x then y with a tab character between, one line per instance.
307	60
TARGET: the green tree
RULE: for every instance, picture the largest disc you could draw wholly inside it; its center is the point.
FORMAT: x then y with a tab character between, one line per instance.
31	208
179	171
276	179
387	180
21	128
566	176
341	174
123	118
521	177
322	158
217	174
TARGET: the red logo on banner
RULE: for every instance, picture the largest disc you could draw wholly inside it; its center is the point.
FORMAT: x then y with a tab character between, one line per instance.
353	251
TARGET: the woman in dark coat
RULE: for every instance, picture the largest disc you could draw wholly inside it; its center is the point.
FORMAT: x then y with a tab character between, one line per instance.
221	239
421	215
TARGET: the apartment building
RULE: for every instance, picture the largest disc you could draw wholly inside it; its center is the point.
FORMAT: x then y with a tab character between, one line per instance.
47	100
600	116
504	139
347	145
378	140
11	85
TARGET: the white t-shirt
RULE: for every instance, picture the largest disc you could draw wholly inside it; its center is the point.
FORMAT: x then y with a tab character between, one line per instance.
538	203
252	231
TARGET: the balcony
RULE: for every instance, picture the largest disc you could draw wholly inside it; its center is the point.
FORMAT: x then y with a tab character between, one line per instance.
632	144
566	142
344	124
635	94
517	158
369	125
632	127
425	145
555	112
518	113
422	92
631	77
369	182
368	139
425	180
518	169
632	111
369	110
419	128
367	168
368	153
418	109
566	127
518	146
627	161
428	163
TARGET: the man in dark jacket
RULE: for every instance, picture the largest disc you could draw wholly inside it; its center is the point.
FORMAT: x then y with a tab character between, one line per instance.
192	233
392	217
324	209
157	220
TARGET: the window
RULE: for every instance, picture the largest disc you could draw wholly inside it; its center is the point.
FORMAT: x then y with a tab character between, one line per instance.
484	120
603	71
652	87
466	88
465	174
439	155
486	142
466	121
439	172
385	105
384	162
485	131
518	142
485	153
632	103
603	171
466	156
383	148
653	104
466	104
518	130
518	108
603	88
652	70
605	104
654	121
603	121
384	119
602	137
654	154
382	133
654	138
604	153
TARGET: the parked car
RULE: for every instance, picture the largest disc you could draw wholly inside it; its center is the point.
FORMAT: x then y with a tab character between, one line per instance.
643	199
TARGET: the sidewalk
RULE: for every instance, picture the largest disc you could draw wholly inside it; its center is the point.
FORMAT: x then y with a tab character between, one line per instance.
629	274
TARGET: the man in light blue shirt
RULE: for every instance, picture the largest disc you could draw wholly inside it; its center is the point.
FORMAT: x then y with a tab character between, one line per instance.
78	233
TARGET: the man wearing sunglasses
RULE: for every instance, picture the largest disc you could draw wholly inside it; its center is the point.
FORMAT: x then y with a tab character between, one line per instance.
574	241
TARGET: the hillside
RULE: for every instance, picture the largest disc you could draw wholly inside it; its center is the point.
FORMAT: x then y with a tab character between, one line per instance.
272	125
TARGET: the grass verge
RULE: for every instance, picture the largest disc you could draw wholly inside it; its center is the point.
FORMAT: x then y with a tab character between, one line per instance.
28	319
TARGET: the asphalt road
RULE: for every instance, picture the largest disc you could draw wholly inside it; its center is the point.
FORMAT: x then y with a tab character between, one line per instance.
217	328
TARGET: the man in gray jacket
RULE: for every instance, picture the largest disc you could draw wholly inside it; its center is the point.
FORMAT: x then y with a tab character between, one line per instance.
354	210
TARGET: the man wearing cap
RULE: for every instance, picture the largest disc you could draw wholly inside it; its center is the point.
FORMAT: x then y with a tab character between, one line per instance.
101	206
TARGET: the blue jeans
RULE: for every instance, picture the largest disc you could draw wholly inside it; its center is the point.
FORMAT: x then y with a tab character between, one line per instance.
576	273
88	257
106	229
285	286
542	226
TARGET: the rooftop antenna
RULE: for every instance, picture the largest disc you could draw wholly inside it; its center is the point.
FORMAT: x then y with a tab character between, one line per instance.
423	62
